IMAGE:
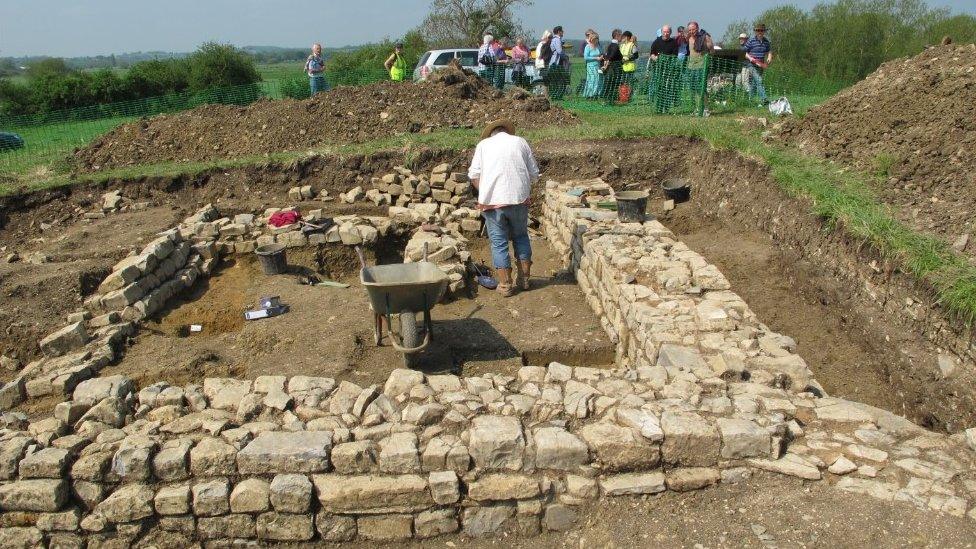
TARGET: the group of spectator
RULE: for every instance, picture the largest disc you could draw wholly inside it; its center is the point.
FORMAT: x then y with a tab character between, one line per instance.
676	61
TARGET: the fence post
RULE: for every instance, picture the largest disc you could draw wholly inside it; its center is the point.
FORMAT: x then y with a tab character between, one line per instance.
704	86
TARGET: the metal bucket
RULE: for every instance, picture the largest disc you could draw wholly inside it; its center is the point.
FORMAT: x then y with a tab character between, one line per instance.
272	257
631	206
676	189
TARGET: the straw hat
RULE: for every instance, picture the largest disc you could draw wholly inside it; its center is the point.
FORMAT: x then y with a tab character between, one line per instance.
502	123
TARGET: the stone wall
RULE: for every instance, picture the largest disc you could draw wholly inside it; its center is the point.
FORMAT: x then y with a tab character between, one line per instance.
703	394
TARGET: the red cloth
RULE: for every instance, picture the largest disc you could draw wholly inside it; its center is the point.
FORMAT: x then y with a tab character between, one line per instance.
287	217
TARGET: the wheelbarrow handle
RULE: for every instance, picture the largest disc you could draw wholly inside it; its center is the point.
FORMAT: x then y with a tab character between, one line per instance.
425	252
362	258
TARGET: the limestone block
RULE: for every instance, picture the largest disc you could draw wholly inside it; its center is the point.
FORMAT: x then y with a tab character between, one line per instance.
41	495
251	495
385	527
742	438
173	500
373	494
435	523
689	440
291	493
213	457
211	497
335	528
226	527
502	487
558	449
633	484
490	520
46	463
619	448
354	458
225	394
687	479
128	503
497	442
172	461
67	339
444	487
284	527
399	454
284	452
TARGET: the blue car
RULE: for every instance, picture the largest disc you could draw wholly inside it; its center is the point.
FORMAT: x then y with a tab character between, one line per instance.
10	141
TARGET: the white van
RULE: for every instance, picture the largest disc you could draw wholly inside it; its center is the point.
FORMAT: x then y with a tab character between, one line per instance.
438	59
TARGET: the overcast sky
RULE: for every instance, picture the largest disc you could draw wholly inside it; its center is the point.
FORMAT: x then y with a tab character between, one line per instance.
92	27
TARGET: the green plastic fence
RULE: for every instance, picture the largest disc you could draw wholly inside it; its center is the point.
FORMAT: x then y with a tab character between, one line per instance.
668	85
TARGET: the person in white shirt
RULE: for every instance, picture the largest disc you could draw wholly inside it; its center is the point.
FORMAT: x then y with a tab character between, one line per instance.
503	170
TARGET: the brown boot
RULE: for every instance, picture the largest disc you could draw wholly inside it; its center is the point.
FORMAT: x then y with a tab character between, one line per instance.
505	287
523	272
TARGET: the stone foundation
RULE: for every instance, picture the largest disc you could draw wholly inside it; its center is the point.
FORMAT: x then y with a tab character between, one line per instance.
703	393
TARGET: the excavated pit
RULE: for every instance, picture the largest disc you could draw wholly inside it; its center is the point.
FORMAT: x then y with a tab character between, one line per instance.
802	280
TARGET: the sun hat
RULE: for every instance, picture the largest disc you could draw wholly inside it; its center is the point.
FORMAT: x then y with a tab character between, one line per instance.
502	123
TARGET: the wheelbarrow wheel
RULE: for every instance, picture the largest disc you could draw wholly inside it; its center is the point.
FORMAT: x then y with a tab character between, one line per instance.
410	335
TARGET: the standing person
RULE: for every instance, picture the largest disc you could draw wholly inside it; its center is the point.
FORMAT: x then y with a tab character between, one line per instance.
543	52
744	73
315	69
520	59
682	39
503	170
396	64
486	59
593	59
613	71
700	45
759	54
558	66
666	70
628	50
501	59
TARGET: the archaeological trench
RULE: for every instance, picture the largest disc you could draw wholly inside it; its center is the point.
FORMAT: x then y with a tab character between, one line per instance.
677	384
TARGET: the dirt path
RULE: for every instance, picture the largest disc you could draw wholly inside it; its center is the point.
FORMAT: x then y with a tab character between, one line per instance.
328	331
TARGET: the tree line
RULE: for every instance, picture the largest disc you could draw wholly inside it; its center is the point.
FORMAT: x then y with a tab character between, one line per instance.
52	85
845	41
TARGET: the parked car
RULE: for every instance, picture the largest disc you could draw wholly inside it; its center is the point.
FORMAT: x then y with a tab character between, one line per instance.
10	141
438	59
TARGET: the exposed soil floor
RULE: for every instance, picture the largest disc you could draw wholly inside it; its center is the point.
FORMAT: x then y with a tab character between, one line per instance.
791	297
328	331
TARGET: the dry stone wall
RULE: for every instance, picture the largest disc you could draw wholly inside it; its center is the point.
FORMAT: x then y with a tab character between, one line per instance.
703	393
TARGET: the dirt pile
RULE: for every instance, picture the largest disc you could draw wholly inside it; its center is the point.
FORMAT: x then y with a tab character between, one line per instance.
451	98
912	122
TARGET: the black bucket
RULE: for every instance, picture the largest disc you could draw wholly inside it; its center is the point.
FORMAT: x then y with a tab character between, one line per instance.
272	258
631	206
676	189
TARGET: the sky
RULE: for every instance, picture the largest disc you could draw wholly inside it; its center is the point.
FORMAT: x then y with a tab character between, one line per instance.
68	28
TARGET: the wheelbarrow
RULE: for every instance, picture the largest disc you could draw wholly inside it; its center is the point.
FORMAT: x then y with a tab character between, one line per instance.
403	291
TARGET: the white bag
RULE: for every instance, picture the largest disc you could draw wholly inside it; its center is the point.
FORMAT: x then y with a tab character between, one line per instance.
780	107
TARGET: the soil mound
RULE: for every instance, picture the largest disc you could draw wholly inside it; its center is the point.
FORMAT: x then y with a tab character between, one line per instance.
450	98
913	122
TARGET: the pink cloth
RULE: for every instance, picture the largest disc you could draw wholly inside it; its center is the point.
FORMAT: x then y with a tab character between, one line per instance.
287	217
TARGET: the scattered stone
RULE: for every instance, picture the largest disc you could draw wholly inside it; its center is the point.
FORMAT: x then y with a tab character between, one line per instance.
842	466
691	478
497	442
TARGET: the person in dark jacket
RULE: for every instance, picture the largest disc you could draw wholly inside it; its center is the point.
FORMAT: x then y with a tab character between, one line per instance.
613	68
665	71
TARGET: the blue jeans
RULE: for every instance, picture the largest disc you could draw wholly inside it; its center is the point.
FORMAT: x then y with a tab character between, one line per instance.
318	84
755	78
508	223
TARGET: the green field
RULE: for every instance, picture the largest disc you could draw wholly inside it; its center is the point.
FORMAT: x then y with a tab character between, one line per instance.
47	148
280	71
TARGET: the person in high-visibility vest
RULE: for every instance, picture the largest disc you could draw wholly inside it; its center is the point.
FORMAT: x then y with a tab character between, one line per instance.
396	64
628	50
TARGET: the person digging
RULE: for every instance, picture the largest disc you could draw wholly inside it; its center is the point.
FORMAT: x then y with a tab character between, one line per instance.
503	170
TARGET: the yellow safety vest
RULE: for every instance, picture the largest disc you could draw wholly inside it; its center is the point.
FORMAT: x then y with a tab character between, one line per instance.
399	69
626	49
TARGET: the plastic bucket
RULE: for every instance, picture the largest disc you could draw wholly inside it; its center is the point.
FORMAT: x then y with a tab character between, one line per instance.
631	206
272	257
676	189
